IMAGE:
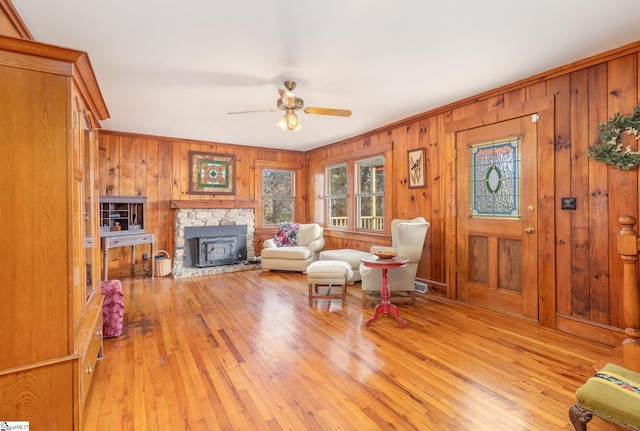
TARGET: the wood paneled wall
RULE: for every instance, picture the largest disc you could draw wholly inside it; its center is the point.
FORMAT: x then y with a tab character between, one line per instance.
140	165
581	294
404	203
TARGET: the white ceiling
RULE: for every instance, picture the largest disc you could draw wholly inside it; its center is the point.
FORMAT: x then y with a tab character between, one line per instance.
175	68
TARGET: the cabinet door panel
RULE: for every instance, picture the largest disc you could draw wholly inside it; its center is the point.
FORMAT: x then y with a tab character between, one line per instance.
90	208
34	223
78	251
52	408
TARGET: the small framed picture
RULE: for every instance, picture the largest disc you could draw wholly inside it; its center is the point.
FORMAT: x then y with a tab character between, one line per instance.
212	174
417	168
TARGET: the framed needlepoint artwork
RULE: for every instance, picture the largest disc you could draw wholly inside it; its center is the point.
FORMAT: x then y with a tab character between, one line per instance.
417	168
212	174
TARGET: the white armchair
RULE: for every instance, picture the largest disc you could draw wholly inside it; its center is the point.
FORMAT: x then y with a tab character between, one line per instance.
407	239
310	241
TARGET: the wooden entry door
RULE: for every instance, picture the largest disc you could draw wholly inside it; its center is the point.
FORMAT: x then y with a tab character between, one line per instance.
497	216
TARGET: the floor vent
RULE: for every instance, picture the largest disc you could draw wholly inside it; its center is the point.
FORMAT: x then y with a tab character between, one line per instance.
421	287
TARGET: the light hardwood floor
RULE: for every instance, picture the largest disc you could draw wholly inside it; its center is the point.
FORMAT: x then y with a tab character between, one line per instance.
245	351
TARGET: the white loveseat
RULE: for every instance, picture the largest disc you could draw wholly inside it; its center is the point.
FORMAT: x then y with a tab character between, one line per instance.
310	241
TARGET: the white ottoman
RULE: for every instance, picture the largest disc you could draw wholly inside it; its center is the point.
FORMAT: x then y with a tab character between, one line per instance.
330	273
352	257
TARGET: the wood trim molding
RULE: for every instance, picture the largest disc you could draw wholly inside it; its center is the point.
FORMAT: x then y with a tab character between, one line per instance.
34	52
600	333
13	17
502	114
216	203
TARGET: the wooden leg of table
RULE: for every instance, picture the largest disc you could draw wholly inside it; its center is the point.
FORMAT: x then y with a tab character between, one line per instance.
153	261
376	313
106	264
386	307
393	310
133	260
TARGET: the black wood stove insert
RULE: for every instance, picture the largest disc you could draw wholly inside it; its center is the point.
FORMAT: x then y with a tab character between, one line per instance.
207	246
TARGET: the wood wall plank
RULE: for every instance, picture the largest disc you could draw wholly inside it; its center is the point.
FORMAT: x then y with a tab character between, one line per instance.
579	189
399	178
560	88
424	197
140	177
547	259
598	201
126	165
432	266
515	97
112	156
622	83
164	230
152	186
495	102
536	91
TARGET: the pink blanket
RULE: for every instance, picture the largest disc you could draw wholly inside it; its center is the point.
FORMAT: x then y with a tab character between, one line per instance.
112	308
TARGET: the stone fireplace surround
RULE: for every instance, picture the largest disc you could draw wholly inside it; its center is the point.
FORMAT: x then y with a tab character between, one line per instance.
184	217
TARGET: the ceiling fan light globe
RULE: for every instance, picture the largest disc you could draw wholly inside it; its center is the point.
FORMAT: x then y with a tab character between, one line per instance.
292	122
289	122
283	123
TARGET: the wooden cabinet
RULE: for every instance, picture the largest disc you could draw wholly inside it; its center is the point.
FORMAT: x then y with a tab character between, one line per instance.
50	299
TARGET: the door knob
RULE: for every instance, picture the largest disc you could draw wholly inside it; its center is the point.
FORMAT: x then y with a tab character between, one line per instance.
529	230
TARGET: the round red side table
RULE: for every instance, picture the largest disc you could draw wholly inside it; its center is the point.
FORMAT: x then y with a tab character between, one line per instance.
385	307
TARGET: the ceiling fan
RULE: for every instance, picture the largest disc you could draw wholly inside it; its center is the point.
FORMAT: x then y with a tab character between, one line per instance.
289	103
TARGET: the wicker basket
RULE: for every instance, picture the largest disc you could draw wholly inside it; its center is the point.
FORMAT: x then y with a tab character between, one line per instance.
163	263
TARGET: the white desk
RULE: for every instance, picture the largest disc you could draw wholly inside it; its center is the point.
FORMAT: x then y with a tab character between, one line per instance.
125	240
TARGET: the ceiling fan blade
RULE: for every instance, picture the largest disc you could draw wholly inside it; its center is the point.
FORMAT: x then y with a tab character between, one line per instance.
328	111
251	112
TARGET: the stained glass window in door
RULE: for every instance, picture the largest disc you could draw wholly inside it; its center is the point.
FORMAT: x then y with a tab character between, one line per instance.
494	175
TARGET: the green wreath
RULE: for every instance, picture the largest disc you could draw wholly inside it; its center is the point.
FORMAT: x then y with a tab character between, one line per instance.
609	149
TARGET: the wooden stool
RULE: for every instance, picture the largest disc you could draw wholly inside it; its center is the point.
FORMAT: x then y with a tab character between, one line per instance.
613	394
328	273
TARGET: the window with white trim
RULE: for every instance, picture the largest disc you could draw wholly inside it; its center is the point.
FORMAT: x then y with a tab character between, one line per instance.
369	193
336	196
278	195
